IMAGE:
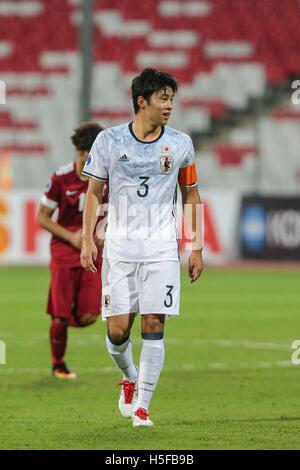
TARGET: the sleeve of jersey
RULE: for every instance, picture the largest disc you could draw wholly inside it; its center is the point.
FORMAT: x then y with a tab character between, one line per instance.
188	173
96	164
51	196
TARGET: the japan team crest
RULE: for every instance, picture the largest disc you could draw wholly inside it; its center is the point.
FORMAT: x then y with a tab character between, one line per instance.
106	301
166	163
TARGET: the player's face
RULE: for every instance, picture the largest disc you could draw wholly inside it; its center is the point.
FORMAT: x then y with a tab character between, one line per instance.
160	107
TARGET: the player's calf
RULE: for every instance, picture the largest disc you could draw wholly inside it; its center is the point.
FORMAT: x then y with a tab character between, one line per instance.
151	363
121	353
58	340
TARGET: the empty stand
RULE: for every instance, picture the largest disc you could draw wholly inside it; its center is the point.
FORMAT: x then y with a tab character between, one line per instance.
224	57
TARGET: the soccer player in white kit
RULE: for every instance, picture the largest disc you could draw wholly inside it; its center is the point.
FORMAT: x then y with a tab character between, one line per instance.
143	161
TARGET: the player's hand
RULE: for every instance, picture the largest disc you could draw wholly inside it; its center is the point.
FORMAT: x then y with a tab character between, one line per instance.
88	255
75	239
195	265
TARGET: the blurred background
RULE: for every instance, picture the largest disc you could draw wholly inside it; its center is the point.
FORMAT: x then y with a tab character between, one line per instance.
65	61
238	66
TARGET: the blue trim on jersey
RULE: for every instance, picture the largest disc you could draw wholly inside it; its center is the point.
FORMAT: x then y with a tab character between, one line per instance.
153	336
142	141
93	176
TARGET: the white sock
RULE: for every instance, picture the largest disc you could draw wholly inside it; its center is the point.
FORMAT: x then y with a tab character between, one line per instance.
122	357
151	362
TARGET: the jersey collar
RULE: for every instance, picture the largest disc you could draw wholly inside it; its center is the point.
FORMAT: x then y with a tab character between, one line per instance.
142	141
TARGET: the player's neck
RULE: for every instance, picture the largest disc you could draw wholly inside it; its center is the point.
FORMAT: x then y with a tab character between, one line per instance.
145	130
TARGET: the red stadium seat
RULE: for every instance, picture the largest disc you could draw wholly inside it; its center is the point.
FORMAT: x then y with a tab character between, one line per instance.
213	84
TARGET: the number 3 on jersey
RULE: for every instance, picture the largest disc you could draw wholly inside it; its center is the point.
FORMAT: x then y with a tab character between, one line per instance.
145	187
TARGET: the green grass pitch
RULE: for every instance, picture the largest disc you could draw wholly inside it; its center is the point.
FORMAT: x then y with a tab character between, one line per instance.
228	381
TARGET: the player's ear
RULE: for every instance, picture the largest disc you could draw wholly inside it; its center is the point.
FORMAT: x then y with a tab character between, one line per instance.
142	102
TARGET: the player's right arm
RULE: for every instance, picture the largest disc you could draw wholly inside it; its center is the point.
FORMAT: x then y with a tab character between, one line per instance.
96	168
45	220
50	201
93	200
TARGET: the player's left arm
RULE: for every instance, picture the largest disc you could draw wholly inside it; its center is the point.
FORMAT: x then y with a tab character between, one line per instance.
193	219
187	179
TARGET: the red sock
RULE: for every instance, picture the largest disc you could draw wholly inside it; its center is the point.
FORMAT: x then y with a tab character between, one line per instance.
58	340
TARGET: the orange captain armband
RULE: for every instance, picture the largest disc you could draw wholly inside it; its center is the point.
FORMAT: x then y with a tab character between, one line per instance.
188	176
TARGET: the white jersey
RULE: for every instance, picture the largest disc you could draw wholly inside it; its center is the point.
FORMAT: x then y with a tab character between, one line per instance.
143	180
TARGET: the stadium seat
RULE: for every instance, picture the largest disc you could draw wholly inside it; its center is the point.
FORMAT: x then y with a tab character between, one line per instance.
223	58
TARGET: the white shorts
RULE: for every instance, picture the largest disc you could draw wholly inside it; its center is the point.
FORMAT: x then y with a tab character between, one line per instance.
151	287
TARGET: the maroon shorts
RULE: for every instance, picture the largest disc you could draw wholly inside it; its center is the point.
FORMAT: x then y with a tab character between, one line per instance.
74	292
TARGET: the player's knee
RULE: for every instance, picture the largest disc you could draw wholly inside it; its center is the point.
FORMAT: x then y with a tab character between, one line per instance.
117	335
153	323
87	319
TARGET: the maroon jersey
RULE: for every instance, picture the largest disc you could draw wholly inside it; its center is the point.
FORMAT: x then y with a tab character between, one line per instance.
66	191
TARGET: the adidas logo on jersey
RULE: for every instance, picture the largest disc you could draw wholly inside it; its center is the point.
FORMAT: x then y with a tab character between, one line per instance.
124	158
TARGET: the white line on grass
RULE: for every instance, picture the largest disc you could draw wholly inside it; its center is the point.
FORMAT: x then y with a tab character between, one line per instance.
228	343
94	339
184	367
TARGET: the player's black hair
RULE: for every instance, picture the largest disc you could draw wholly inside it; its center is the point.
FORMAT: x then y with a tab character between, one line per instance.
148	82
84	136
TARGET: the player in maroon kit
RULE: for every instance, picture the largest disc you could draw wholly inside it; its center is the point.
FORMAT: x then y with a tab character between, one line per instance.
74	294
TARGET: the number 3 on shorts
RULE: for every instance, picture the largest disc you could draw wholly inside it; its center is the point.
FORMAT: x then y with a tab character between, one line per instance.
169	301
